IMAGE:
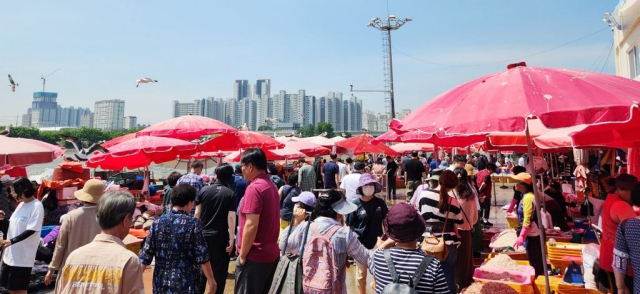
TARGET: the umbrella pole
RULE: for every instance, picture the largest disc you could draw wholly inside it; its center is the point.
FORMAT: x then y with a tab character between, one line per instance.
613	162
542	232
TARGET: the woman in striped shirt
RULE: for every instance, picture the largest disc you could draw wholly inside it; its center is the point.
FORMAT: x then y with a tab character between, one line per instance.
436	207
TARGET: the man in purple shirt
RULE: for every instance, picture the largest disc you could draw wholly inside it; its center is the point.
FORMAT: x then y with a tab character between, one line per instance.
259	226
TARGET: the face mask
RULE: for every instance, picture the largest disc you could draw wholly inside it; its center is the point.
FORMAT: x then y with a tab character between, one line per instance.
368	190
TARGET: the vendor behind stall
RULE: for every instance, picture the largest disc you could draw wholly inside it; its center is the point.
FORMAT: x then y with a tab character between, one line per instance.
530	231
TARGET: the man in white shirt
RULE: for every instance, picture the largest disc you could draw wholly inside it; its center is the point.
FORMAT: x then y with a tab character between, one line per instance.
350	182
459	161
522	161
342	170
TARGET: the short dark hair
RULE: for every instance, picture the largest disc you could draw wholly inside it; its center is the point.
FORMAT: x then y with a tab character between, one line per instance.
333	156
301	160
635	195
459	158
292	179
224	172
114	207
518	169
491	166
197	164
482	165
388	157
183	194
256	157
379	160
273	169
324	204
414	153
349	160
23	187
626	182
173	178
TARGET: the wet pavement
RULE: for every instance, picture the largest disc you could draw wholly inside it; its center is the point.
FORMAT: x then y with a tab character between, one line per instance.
497	217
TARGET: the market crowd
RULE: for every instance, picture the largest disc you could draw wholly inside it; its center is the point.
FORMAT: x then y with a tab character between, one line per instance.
302	229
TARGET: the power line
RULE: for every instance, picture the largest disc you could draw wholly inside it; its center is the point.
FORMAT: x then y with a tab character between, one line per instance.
607	58
598	60
502	61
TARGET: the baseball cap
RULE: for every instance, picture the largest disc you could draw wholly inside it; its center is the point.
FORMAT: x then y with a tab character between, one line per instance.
6	178
344	207
522	177
444	165
305	197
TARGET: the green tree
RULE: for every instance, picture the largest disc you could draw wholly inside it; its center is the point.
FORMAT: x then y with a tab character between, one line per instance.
265	128
24	132
325	127
307	131
347	135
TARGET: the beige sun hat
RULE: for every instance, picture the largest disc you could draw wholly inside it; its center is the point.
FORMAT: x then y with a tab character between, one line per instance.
91	192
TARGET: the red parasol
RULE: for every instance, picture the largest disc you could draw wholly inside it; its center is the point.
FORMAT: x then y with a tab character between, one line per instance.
118	140
408	147
141	151
241	140
272	154
190	127
361	144
322	141
417	136
501	102
308	148
16	152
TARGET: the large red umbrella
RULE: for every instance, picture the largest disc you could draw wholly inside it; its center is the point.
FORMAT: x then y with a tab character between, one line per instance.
409	147
142	151
241	140
119	140
272	154
361	144
418	136
15	152
190	127
503	101
308	148
322	141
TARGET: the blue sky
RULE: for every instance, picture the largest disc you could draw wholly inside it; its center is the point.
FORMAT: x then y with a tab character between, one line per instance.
197	49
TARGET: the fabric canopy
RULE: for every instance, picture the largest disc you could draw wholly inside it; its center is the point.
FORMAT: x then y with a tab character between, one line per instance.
304	146
240	140
417	136
322	141
17	152
503	101
190	127
409	147
142	151
361	144
272	154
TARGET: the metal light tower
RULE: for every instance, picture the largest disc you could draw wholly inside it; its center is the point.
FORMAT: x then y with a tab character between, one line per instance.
392	23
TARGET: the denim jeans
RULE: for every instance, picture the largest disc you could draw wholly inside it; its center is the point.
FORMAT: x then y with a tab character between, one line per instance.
449	268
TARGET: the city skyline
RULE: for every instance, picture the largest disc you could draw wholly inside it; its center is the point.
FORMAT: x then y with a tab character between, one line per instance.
193	55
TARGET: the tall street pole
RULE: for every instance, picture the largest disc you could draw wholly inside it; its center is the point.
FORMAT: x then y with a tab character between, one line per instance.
392	93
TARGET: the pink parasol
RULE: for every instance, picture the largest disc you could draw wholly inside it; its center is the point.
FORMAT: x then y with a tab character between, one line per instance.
190	127
322	141
408	147
272	154
142	151
308	148
241	140
503	101
17	152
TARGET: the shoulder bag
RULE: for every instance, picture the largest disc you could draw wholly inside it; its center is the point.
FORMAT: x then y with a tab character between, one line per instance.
435	246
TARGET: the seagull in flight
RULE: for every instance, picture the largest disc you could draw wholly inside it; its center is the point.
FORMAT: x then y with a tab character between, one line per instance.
144	81
82	153
13	84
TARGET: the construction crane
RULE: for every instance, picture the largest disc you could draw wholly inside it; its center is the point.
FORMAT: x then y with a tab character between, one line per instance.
44	79
377	91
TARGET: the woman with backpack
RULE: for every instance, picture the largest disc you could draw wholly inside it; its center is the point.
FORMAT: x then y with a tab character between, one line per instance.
443	217
325	243
287	192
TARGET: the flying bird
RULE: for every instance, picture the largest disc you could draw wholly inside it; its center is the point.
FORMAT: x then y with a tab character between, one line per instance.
144	81
82	153
6	131
13	84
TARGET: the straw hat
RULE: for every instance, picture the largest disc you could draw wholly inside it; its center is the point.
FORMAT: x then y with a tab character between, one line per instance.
470	170
91	192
